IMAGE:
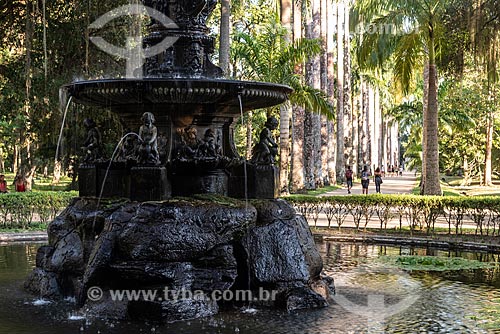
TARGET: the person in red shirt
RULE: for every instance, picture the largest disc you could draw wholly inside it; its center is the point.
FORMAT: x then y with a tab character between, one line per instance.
3	184
20	184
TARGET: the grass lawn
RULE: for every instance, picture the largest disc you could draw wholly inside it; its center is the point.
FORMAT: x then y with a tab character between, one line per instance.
315	192
450	185
41	183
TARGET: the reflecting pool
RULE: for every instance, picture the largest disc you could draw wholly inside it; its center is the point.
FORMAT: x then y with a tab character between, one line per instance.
371	298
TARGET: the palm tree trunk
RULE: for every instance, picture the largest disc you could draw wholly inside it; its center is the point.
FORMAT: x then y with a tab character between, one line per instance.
312	124
348	110
45	58
297	159
330	46
370	137
324	87
355	131
425	107
24	140
285	111
340	163
431	153
489	144
224	35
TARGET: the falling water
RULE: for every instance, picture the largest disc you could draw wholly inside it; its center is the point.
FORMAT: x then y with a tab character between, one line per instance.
249	308
63	99
246	154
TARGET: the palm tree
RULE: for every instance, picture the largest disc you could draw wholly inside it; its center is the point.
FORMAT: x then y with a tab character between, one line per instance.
415	32
285	108
340	161
312	124
485	31
224	35
266	55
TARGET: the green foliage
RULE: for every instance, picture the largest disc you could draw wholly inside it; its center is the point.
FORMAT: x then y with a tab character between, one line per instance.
264	54
21	210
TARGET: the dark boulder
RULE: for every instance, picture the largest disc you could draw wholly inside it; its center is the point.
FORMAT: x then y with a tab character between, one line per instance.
199	246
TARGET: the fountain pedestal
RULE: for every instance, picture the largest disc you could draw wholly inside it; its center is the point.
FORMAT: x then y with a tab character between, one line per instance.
87	180
149	184
265	181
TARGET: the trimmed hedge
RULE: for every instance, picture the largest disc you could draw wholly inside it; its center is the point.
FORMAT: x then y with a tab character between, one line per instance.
19	210
416	212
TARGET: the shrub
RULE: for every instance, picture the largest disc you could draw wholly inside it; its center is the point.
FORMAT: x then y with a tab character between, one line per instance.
20	210
412	210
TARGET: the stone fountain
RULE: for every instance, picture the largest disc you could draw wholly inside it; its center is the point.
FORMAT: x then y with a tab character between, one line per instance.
171	216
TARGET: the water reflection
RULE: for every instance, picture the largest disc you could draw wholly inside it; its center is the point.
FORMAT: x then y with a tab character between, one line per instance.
448	302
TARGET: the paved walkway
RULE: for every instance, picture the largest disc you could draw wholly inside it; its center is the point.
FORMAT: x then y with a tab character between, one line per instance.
392	185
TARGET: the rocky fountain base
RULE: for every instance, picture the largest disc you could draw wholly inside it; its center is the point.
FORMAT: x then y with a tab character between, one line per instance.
200	245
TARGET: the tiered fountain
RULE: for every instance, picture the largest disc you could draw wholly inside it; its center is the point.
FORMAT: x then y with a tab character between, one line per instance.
148	240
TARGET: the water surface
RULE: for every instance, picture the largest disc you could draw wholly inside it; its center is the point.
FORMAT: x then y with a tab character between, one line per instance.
446	302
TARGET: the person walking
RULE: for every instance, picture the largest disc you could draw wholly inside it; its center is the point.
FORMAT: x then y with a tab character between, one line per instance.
378	179
365	180
348	178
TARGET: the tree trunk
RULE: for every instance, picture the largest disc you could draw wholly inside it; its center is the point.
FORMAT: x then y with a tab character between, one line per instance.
285	110
330	46
431	153
425	107
324	87
370	125
24	131
340	163
224	42
312	125
355	131
489	144
45	57
297	159
348	110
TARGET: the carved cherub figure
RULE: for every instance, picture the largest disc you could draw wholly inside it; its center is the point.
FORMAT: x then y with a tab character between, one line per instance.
265	151
189	142
92	144
148	149
209	148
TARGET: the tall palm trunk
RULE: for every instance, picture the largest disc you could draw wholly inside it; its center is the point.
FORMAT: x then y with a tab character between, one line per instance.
330	90
340	163
24	136
431	186
297	159
324	87
489	145
349	154
425	107
285	111
312	124
224	35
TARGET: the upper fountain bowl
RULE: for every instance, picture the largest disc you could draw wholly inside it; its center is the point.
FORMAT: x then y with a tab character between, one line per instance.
119	94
